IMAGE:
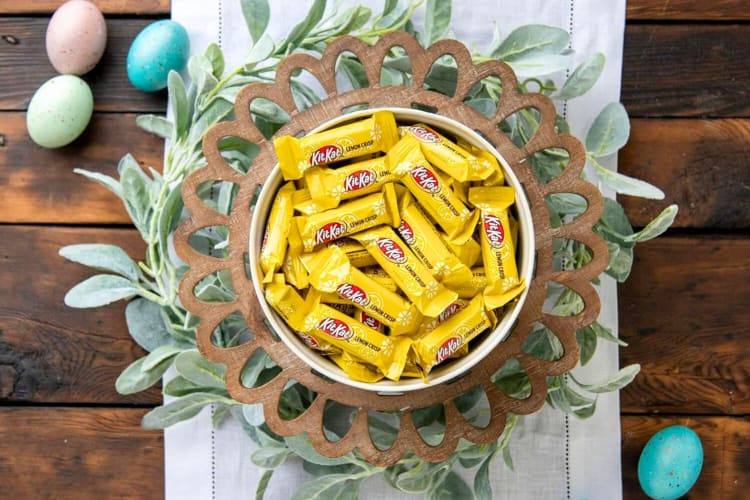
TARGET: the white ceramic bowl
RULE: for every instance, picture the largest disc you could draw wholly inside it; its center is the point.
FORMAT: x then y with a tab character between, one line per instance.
481	347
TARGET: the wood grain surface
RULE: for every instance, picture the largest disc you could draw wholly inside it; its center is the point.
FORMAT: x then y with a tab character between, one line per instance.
39	185
75	352
44	7
688	10
701	165
668	69
683	311
636	9
79	453
694	70
50	353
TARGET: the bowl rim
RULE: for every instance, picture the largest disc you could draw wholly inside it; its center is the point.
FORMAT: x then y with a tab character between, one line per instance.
451	371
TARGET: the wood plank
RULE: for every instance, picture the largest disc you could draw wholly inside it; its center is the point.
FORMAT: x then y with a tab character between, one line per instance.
686	70
637	10
725	453
701	165
79	453
39	184
687	10
669	69
684	313
139	7
31	68
50	353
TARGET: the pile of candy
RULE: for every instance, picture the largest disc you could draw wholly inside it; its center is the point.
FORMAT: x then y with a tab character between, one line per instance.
374	261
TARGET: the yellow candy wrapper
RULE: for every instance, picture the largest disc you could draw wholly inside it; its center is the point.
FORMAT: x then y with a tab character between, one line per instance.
430	324
355	252
425	242
376	273
498	253
374	134
458	162
468	252
304	204
295	271
412	369
513	231
327	324
331	272
488	162
447	338
412	277
474	287
285	300
432	193
356	369
349	218
273	247
329	186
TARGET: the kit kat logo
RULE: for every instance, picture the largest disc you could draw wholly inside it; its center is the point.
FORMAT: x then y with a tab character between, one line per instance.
449	311
335	328
359	180
391	250
449	347
326	154
265	241
424	134
368	320
353	294
329	232
493	229
425	179
406	232
309	341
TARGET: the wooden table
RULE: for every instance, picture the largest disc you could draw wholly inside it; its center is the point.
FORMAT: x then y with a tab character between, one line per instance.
65	432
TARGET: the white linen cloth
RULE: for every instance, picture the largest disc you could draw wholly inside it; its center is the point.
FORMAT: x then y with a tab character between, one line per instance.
556	456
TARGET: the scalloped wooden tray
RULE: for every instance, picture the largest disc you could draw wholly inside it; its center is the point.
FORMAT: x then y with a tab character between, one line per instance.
374	96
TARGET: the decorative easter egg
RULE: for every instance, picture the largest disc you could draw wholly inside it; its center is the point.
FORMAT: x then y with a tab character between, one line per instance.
76	37
159	48
59	111
670	463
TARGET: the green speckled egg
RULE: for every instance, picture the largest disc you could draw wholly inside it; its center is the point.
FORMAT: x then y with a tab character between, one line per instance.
162	46
670	463
59	111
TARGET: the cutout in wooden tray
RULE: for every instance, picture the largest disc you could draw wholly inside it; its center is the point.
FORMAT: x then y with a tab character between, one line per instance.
375	96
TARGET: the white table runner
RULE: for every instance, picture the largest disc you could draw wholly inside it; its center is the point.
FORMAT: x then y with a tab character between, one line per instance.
555	456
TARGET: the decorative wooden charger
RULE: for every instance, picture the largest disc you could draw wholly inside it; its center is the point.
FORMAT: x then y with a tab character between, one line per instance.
374	96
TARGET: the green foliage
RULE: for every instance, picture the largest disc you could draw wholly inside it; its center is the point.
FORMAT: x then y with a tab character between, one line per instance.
609	132
102	257
583	78
437	20
153	201
257	13
100	290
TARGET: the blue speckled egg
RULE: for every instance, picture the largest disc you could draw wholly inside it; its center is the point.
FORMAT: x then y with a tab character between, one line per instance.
161	46
670	463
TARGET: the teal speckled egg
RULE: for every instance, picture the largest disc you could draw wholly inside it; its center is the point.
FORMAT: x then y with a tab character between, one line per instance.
59	111
670	463
161	46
